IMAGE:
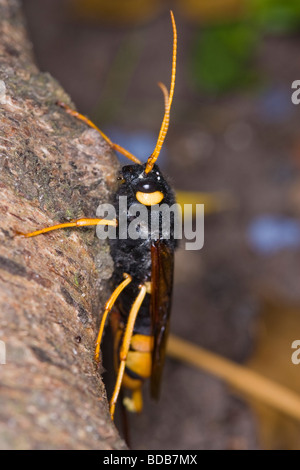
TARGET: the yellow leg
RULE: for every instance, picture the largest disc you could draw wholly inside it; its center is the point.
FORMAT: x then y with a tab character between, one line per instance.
214	202
75	223
108	306
91	124
125	346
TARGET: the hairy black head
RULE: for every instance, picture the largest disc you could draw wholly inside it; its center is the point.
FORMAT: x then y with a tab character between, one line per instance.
133	180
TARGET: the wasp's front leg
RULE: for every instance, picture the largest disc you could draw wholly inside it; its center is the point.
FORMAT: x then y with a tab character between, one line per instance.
75	223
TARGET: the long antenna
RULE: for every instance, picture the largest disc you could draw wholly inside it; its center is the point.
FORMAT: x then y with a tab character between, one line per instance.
165	124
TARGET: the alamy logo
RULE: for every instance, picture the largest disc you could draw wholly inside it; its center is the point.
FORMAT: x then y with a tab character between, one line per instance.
160	221
296	93
296	354
2	352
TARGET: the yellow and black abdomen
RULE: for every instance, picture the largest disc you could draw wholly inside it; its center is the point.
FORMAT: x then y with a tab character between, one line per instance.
138	363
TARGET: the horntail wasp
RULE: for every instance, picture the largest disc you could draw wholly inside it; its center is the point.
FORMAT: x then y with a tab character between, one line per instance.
143	273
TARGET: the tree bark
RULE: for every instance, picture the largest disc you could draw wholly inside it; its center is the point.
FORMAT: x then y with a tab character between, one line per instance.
52	287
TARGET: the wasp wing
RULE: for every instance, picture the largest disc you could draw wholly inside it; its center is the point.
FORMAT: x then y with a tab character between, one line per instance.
162	257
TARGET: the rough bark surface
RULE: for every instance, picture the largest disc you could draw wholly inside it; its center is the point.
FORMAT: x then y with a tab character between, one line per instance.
52	287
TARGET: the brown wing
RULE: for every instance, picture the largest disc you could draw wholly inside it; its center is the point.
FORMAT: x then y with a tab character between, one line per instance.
162	258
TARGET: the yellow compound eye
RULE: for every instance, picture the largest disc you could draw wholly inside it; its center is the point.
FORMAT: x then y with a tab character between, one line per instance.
149	199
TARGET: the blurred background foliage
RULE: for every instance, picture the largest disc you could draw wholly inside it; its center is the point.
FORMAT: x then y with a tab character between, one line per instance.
234	140
228	37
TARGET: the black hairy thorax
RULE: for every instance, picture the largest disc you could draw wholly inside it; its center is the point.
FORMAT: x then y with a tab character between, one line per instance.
133	256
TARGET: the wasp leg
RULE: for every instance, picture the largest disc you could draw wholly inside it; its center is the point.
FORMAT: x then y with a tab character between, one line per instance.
108	306
125	346
117	147
75	223
213	202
